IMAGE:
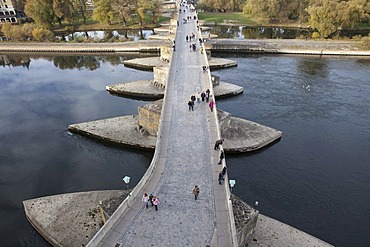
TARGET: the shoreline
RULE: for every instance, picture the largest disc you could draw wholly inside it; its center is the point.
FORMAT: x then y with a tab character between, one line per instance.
268	46
84	213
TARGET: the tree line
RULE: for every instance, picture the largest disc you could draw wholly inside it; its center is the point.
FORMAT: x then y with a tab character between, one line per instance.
327	16
48	14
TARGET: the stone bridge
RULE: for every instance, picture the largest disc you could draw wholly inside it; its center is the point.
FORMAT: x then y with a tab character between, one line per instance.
184	157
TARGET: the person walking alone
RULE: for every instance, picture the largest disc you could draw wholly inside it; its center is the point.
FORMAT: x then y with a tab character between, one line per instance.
222	156
220	178
223	172
211	105
196	191
208	93
191	107
218	143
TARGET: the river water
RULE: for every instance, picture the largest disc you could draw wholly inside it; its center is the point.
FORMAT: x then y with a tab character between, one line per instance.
316	178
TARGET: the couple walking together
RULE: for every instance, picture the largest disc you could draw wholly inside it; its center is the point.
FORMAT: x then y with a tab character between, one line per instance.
153	200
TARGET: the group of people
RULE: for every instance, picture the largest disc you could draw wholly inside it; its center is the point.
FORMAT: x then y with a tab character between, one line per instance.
222	173
153	200
188	18
188	38
205	96
193	47
204	68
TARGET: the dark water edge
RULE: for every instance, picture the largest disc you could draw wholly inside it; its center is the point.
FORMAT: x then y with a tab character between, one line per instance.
316	178
39	157
256	32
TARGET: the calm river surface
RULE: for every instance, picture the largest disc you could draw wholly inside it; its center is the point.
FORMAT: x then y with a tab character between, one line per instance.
316	178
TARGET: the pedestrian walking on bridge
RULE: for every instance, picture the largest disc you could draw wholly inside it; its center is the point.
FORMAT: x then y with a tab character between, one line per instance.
208	93
191	107
196	191
145	199
220	178
211	105
151	199
156	203
203	95
192	98
223	172
222	156
218	143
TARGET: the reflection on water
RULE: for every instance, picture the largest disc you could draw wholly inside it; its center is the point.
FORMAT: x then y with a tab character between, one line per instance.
316	178
15	61
38	156
69	61
243	32
123	35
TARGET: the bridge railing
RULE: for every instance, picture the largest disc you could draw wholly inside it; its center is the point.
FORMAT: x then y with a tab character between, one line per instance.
226	185
137	192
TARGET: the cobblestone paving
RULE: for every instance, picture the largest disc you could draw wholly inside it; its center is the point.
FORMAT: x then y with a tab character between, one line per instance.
181	220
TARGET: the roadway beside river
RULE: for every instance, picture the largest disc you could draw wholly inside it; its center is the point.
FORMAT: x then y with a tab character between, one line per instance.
288	46
274	46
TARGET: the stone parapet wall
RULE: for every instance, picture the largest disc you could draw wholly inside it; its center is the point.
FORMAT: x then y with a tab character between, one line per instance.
160	76
173	25
149	117
245	220
215	80
166	53
224	119
150	114
208	52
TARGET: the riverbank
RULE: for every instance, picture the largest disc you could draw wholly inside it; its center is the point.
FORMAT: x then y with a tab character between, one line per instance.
73	219
288	46
268	46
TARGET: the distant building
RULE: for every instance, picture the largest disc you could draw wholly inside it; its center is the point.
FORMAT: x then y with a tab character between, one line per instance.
7	12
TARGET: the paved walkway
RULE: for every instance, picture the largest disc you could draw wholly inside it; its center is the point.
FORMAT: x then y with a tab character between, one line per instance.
186	159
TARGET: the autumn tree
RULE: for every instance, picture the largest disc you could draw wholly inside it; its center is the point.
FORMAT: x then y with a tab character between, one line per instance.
154	7
42	34
17	32
140	6
355	11
221	5
41	11
6	29
234	5
19	4
281	10
329	16
27	29
63	10
79	7
103	11
123	9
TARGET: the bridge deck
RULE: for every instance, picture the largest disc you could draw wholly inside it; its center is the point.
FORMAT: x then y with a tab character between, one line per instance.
186	159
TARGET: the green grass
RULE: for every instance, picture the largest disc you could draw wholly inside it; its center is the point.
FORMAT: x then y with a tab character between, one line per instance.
234	17
363	25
